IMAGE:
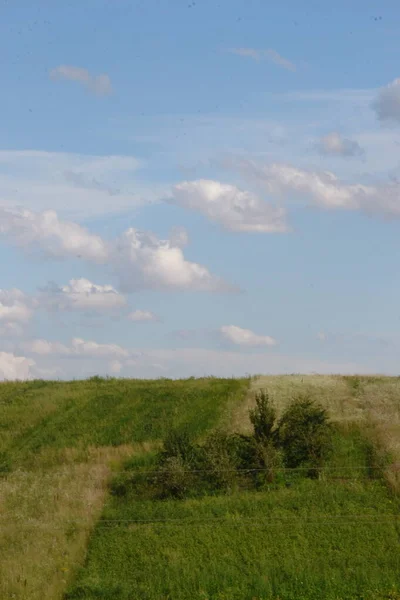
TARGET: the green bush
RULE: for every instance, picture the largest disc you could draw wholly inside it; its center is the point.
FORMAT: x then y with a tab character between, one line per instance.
263	417
179	445
219	462
174	479
178	465
224	462
305	435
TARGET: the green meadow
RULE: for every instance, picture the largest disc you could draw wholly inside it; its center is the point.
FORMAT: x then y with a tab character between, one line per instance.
66	534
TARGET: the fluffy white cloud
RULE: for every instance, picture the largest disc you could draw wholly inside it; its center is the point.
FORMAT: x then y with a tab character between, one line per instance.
98	84
13	306
269	54
387	102
233	208
51	235
141	260
324	189
143	315
334	144
82	294
245	337
138	259
15	367
77	348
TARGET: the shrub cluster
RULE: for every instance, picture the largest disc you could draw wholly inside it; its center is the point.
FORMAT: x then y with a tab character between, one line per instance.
301	439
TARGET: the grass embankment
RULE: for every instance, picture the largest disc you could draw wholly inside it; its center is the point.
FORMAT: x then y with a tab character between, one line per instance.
60	443
335	538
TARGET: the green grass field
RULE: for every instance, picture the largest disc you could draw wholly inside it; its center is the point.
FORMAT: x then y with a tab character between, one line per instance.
63	535
60	443
39	417
337	537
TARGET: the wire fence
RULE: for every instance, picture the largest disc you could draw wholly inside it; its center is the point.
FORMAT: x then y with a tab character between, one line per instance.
238	521
329	468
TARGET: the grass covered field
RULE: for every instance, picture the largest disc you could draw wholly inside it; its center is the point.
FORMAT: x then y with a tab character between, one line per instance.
38	419
60	442
64	535
332	538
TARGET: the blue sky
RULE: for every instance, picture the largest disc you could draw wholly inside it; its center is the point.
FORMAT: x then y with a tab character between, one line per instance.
199	187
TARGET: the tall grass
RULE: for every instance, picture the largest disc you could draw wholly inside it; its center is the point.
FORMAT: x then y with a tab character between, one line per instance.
371	401
59	442
46	517
332	538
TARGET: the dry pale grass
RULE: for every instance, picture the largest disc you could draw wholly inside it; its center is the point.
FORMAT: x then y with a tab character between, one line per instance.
46	517
373	402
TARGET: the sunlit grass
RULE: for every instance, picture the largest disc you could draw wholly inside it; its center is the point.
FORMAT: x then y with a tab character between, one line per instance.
371	401
332	538
59	443
35	419
46	516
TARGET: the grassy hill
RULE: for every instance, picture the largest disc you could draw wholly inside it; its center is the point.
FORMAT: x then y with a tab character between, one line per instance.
64	535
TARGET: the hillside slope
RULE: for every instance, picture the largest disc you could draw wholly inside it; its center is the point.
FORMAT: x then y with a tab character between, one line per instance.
62	532
59	444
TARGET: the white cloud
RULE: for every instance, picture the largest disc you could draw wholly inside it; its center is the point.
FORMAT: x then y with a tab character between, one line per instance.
233	208
269	54
14	307
143	315
245	337
324	189
77	348
115	366
51	235
138	259
82	294
141	260
279	60
98	84
179	237
387	102
334	144
246	52
15	367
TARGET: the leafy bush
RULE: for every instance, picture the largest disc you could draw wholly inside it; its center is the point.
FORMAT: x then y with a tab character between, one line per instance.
263	417
224	462
174	478
305	434
179	445
178	465
219	462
